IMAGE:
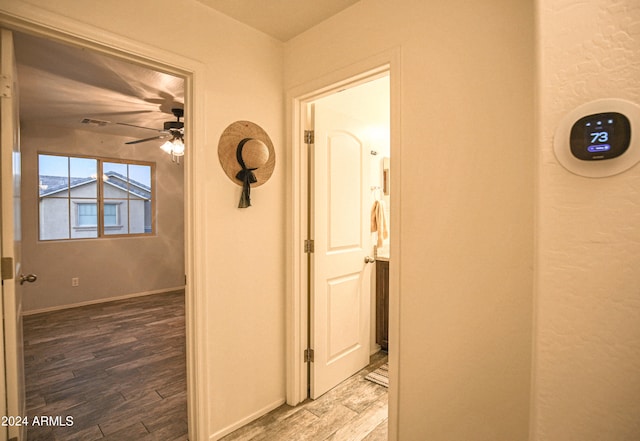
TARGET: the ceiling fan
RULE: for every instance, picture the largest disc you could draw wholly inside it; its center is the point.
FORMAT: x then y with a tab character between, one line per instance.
173	129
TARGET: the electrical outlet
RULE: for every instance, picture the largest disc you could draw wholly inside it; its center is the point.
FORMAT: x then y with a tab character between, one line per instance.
75	281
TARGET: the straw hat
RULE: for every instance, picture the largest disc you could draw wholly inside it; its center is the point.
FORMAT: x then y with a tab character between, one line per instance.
257	152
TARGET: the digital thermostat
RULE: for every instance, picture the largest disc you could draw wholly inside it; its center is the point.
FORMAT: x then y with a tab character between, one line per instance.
600	136
597	139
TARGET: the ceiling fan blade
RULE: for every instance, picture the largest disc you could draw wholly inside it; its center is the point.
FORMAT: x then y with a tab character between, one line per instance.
138	127
127	113
146	139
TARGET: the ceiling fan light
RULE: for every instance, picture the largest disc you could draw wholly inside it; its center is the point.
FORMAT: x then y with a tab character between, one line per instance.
178	147
167	147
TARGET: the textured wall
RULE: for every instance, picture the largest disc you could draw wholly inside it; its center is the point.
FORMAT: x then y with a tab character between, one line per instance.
587	382
463	198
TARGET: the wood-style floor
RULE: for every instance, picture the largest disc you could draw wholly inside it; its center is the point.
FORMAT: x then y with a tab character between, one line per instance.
355	410
117	368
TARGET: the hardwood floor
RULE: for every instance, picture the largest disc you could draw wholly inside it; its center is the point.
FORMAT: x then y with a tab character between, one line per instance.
355	410
118	369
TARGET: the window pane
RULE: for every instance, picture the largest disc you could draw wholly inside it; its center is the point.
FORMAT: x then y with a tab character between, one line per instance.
84	223
139	216
110	215
87	215
114	170
116	213
148	228
115	180
83	172
140	175
140	198
53	175
53	183
54	218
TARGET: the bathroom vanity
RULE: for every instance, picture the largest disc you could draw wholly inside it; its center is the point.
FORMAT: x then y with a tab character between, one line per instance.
382	302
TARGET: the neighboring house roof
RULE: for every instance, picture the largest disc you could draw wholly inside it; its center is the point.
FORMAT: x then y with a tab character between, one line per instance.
134	187
50	185
53	184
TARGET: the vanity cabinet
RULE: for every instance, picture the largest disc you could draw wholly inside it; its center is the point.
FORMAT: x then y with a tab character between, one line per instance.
382	304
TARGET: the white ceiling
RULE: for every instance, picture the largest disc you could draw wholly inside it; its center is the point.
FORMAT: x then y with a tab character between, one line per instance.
61	85
282	19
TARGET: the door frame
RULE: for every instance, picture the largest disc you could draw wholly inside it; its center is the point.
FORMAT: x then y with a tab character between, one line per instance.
297	99
13	395
32	20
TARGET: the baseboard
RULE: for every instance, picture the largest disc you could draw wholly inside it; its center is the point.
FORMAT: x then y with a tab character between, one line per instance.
243	422
104	300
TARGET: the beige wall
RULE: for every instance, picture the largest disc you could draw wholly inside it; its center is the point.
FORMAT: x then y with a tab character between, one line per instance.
242	80
466	164
466	170
588	321
107	268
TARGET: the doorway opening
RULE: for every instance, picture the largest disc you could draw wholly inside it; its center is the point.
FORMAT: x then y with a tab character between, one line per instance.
141	55
122	221
349	157
308	102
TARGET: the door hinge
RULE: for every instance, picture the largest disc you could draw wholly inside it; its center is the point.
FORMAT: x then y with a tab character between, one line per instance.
309	136
5	86
6	268
308	355
309	246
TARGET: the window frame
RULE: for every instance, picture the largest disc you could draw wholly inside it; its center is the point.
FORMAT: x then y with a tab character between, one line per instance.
73	203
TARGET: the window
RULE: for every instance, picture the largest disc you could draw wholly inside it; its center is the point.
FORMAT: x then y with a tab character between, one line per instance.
87	215
75	204
110	215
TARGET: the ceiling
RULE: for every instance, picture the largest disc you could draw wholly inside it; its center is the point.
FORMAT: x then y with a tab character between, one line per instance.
282	19
62	85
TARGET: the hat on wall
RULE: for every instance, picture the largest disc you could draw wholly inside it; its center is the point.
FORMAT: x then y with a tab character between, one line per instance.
247	157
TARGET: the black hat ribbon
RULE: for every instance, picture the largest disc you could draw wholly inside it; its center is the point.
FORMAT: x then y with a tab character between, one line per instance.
245	175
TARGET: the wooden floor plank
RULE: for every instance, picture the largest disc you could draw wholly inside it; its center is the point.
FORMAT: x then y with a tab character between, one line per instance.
356	409
118	368
380	433
364	423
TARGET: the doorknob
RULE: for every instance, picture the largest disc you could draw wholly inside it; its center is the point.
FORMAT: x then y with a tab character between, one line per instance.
369	259
29	278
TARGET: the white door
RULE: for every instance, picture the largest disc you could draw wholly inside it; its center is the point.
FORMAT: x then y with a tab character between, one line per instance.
340	298
10	240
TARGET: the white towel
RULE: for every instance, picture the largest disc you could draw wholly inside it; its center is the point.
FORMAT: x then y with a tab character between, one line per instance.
379	222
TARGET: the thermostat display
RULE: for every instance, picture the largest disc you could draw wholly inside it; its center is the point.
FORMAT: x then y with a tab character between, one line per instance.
600	136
